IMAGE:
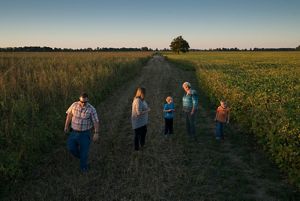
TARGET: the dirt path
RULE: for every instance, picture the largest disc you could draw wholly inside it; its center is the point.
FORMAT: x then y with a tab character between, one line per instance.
174	168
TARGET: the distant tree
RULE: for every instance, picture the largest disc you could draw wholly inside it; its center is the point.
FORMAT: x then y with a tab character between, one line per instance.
298	48
179	45
144	48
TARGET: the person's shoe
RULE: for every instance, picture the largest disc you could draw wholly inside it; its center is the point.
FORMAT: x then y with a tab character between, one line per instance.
84	170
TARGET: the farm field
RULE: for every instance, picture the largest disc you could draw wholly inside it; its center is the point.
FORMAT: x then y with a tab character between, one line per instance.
174	168
263	90
37	88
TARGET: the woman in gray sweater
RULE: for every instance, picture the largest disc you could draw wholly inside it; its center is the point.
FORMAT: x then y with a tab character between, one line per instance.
139	117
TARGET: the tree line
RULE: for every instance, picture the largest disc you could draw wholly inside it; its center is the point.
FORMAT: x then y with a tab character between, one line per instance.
50	49
177	45
245	49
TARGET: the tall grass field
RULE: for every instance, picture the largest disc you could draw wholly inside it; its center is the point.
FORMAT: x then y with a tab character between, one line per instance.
37	88
263	92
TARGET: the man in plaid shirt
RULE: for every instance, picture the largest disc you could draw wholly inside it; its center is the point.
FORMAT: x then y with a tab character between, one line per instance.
83	117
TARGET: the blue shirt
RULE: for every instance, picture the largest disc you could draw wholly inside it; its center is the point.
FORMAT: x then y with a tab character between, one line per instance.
190	100
169	115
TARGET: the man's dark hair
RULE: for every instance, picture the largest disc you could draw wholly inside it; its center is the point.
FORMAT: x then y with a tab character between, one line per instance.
84	95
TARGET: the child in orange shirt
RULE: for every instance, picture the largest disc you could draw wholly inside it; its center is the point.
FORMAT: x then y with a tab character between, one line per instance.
222	117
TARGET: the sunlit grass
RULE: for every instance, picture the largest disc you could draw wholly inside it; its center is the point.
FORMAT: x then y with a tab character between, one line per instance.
37	88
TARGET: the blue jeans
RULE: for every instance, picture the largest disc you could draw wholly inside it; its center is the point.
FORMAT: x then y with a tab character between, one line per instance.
78	144
190	123
219	130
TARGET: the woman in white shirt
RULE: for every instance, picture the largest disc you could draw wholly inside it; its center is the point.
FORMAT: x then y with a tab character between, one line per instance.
139	117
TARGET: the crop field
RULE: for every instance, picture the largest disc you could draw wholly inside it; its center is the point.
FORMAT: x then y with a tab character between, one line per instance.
263	92
262	89
37	88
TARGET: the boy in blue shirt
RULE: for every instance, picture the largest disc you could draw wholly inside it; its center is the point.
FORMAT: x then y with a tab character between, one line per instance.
169	115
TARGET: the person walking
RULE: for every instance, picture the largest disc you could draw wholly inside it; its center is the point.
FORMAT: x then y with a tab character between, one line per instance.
139	117
83	117
190	107
222	117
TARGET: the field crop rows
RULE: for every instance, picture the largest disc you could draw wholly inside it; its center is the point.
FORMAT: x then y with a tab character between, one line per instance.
263	91
37	88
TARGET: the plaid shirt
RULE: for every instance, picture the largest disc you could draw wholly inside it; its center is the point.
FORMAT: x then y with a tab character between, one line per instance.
83	118
190	100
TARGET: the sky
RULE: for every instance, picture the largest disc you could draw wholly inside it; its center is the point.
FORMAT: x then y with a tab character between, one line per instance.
203	24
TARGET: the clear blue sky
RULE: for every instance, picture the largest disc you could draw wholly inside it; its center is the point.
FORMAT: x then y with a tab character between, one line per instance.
151	23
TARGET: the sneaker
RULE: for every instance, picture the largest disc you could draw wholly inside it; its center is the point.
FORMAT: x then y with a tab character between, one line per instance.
84	170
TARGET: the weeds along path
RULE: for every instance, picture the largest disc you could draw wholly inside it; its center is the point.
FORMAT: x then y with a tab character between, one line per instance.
173	168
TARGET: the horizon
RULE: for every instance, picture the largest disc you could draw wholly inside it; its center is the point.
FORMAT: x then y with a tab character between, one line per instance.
148	49
136	24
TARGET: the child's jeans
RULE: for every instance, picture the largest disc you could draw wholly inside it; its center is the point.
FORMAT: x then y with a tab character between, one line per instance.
219	130
168	126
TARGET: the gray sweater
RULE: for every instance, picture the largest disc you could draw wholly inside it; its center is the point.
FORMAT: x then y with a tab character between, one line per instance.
137	118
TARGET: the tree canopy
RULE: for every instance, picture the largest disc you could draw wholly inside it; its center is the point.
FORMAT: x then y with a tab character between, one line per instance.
50	49
179	45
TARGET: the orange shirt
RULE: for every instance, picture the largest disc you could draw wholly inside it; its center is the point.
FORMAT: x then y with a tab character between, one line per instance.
222	114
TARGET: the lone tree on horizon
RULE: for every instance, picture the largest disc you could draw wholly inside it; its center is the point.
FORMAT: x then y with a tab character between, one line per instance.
179	45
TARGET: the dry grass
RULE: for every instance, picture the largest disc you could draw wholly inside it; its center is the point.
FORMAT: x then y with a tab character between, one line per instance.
35	91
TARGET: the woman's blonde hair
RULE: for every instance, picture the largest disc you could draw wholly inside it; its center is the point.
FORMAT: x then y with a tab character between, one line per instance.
140	93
